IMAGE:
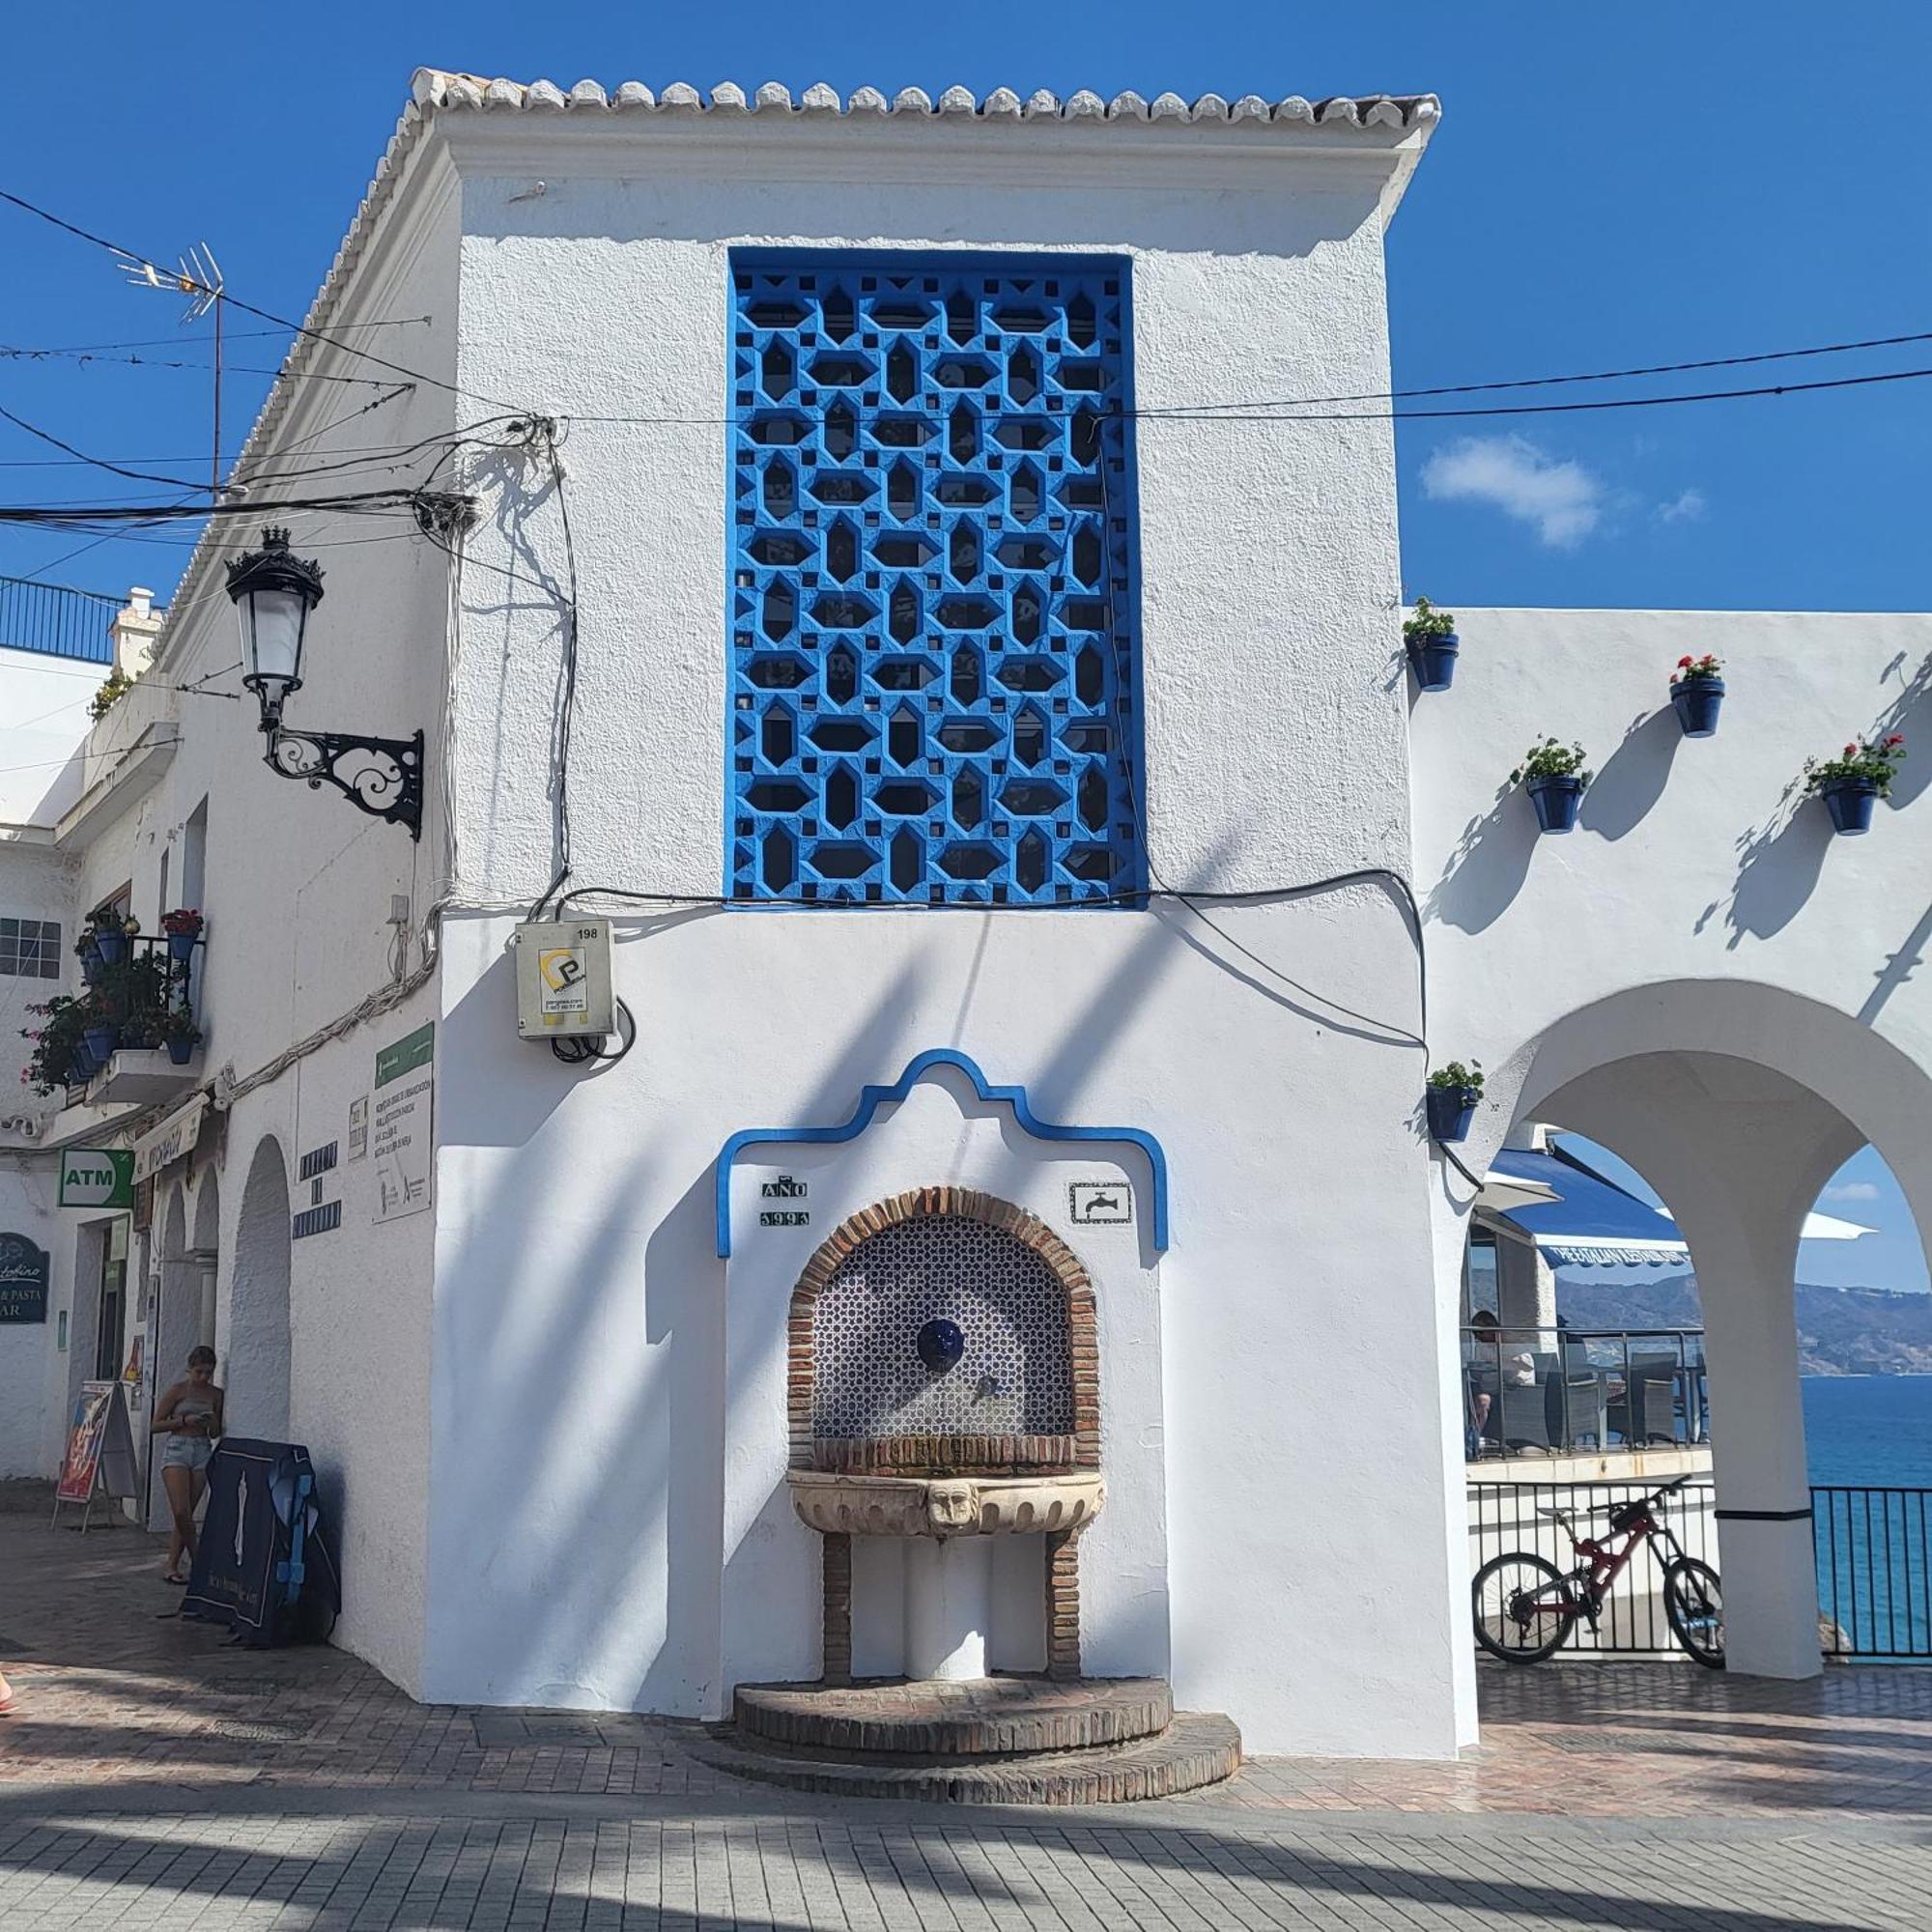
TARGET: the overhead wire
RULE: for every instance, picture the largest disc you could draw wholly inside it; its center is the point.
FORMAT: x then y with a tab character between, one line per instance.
233	302
88	359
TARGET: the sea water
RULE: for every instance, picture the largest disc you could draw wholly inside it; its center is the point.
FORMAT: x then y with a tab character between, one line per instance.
1869	1429
1873	1432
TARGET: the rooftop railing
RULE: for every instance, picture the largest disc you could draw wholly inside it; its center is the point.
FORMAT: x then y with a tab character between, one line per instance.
58	622
1572	1391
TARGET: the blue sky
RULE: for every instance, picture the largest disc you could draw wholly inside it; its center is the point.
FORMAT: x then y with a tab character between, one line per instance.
1661	183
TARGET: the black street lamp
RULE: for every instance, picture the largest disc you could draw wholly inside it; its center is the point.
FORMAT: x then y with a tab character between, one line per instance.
273	592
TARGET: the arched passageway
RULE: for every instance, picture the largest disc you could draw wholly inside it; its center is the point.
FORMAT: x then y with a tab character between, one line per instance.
1737	1103
257	1369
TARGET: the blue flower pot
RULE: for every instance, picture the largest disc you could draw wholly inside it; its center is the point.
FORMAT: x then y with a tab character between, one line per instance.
101	1042
89	963
81	1067
1696	700
113	947
1849	801
1433	660
1449	1111
180	1051
180	947
1555	800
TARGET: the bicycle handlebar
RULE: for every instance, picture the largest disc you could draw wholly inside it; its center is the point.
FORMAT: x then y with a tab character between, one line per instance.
1564	1515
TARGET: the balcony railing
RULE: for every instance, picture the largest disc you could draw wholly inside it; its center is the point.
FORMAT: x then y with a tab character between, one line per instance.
1569	1391
136	998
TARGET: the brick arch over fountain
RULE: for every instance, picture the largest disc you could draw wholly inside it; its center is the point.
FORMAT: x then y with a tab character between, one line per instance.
1016	1451
1736	1101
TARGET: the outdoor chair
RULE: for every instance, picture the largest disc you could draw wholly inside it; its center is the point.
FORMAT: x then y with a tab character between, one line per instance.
1527	1416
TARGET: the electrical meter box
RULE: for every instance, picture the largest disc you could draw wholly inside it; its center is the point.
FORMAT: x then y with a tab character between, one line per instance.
563	980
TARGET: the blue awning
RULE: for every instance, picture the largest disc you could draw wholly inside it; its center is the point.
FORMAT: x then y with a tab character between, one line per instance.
1597	1224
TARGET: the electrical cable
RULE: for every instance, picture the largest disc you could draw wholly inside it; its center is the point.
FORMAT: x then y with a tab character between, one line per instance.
1384	873
228	335
249	308
99	463
1198	413
584	1048
87	359
1549	382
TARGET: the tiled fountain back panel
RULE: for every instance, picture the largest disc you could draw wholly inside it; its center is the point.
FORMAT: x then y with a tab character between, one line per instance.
934	679
1015	1373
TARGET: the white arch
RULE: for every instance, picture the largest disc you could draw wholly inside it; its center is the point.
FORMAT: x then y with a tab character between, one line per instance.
1736	1101
257	1370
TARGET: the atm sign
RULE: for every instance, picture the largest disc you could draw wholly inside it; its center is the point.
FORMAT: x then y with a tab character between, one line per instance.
96	1178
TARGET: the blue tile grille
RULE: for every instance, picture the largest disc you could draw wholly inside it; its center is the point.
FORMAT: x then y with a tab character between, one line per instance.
935	679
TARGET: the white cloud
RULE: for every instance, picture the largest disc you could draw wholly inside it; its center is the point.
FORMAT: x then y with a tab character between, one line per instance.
1685	508
1851	1190
1562	499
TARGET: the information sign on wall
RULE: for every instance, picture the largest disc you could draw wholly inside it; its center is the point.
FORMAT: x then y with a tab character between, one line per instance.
24	1280
96	1178
401	1146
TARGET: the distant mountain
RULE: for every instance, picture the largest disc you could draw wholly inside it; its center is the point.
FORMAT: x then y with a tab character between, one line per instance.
1841	1332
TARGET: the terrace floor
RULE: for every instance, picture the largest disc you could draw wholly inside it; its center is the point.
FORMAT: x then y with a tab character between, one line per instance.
152	1773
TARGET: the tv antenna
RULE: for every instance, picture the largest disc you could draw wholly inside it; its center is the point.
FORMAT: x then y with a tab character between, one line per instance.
197	276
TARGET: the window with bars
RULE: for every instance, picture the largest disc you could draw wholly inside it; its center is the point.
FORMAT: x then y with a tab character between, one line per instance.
934	664
29	948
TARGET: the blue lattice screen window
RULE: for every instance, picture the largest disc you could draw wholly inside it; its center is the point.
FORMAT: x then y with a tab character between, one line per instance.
935	678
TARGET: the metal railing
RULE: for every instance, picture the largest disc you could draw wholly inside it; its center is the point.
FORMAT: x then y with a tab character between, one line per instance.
136	995
1873	1549
1874	1580
62	623
1559	1391
1503	1518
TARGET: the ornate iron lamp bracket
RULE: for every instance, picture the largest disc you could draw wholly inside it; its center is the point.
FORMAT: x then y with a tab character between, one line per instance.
380	776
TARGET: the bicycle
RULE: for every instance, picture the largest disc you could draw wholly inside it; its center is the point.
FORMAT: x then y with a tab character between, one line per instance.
1526	1607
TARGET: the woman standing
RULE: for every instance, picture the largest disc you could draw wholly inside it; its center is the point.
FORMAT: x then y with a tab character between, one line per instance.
189	1416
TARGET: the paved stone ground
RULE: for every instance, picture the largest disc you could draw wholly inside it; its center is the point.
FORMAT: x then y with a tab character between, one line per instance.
154	1778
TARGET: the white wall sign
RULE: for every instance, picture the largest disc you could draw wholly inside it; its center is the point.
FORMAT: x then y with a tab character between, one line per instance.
400	1138
1092	1204
175	1137
358	1127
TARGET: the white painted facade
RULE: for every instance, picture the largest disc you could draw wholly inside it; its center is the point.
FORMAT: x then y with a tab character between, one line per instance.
549	1415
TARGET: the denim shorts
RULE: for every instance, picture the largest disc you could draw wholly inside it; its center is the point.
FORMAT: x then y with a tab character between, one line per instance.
186	1452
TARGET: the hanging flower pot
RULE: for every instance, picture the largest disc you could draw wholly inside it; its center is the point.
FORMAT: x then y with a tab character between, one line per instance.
1431	641
1850	803
101	1042
111	942
1450	1100
1697	694
1850	782
183	927
1555	799
90	961
81	1065
1555	778
180	1036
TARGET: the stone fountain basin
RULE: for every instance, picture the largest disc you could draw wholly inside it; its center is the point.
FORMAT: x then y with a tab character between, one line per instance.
859	1503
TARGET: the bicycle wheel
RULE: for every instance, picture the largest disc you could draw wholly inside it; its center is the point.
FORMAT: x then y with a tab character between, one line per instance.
1693	1600
1524	1608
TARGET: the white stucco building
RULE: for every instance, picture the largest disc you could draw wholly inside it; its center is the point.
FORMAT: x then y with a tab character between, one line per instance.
999	776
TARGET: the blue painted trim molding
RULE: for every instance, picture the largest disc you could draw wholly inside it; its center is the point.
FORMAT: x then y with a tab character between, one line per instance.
872	1098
